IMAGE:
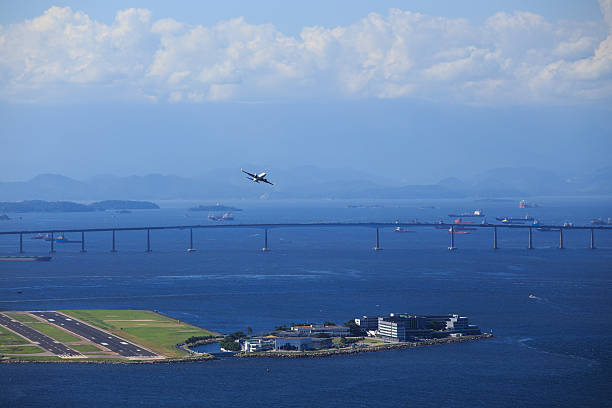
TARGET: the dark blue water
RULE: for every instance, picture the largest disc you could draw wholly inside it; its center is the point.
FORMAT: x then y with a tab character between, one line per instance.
551	350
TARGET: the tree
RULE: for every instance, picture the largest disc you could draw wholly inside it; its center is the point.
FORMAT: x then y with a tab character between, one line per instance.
230	342
249	330
354	328
436	325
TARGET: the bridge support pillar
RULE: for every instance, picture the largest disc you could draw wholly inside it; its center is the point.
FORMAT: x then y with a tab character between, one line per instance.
560	238
20	243
377	247
83	242
191	248
592	244
452	238
52	240
148	240
530	246
113	248
265	248
495	238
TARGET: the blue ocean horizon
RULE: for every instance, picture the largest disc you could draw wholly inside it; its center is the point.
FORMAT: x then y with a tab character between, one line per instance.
548	309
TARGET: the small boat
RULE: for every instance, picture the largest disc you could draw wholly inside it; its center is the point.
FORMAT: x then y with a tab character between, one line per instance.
400	229
64	239
532	296
225	217
457	231
39	236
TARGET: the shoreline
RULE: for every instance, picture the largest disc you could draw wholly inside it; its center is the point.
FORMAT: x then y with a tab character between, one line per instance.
362	349
273	354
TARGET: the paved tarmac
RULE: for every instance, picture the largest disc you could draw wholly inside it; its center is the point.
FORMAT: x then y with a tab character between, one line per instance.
95	335
34	336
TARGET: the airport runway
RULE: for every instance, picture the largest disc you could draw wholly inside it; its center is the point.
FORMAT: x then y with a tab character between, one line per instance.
114	343
34	336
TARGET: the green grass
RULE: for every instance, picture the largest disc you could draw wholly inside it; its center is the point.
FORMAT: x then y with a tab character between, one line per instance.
86	348
371	340
149	329
54	332
20	350
7	337
22	317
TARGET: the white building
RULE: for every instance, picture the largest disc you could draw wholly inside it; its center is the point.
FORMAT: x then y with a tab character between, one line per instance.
257	344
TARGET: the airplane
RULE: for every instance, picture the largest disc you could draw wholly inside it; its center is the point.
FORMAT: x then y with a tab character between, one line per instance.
257	177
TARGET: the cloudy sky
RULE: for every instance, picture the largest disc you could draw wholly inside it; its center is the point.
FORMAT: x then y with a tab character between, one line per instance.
413	90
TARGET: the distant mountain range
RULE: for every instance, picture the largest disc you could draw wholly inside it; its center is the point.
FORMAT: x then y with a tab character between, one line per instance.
305	182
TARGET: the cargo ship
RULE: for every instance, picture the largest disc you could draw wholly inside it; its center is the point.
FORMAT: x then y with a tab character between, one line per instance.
25	258
476	213
600	221
527	204
515	220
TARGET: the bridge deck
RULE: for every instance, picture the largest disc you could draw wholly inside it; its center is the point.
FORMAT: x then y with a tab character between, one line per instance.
308	224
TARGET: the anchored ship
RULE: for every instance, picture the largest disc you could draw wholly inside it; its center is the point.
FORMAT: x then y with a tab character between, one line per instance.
477	213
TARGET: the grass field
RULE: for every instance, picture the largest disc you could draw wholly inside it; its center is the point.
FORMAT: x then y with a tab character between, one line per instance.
86	348
8	338
146	328
20	349
149	329
54	332
22	317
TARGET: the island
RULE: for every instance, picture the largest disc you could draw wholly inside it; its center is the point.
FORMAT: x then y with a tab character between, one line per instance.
365	334
104	336
69	206
216	207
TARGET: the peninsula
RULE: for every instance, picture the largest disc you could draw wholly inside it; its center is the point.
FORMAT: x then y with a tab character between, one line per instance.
110	336
69	206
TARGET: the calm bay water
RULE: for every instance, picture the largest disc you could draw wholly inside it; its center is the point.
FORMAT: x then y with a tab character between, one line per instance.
554	349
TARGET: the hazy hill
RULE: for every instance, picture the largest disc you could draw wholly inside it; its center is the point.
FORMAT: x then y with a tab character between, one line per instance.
304	182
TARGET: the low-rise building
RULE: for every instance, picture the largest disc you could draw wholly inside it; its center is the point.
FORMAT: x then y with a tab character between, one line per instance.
367	323
257	344
301	343
402	327
314	329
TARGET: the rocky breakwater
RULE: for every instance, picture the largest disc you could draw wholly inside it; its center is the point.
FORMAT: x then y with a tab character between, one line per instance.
363	348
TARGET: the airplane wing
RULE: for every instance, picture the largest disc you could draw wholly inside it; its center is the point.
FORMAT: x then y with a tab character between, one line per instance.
250	174
266	181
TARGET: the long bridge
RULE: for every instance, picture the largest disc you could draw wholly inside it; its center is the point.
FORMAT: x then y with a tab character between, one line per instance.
453	228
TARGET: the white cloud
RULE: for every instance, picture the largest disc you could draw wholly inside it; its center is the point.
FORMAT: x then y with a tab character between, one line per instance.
512	57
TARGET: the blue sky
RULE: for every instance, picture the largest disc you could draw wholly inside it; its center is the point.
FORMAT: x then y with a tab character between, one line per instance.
413	91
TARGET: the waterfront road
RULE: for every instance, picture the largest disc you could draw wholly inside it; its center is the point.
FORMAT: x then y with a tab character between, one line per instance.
42	340
110	341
